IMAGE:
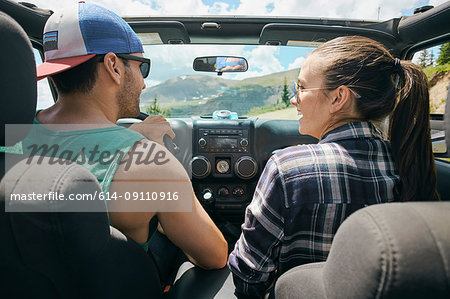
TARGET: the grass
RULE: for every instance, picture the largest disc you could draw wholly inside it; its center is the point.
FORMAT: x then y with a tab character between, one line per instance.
175	104
430	71
264	109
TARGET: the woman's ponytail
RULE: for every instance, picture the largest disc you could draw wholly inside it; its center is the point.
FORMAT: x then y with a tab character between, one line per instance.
409	134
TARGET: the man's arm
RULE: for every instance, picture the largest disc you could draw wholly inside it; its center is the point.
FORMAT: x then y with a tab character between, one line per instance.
254	260
194	232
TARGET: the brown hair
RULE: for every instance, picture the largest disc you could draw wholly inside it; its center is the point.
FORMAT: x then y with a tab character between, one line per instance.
387	86
81	78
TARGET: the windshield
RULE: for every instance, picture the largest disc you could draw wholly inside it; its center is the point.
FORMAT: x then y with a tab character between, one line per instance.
174	89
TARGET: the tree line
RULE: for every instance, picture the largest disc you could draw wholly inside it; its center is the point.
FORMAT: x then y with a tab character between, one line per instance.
426	57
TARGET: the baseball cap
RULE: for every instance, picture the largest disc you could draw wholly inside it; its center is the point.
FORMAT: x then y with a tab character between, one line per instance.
76	34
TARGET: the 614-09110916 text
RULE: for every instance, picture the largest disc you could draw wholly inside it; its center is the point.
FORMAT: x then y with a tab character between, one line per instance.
51	196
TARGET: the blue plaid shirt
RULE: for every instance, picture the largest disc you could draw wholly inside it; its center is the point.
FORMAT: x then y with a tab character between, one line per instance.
303	195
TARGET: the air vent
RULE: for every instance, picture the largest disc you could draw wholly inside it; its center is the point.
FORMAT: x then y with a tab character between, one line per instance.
246	167
201	167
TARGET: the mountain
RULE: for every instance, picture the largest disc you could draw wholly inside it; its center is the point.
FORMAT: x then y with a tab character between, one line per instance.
186	88
275	79
197	94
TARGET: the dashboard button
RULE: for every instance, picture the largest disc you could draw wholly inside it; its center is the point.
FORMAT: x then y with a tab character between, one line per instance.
207	195
202	142
223	192
223	166
238	191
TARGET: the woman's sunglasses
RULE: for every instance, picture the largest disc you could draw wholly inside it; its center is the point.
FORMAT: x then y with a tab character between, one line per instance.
297	91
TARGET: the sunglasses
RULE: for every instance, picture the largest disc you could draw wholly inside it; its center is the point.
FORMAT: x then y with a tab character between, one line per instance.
144	66
298	89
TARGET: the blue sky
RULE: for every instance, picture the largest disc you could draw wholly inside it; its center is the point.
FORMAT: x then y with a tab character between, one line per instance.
360	9
261	59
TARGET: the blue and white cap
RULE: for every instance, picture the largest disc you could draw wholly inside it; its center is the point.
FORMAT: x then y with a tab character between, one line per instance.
76	34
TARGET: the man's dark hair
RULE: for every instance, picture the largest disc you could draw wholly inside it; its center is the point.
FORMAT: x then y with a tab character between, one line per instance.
78	79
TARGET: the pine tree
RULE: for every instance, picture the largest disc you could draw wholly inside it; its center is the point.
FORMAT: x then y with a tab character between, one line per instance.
155	109
431	58
444	56
285	96
424	58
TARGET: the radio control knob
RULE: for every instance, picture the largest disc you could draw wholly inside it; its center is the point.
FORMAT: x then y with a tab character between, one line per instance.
244	142
202	142
207	195
238	191
223	192
223	166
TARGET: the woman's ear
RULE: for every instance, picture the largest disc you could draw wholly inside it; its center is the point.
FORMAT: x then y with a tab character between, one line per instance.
341	99
113	68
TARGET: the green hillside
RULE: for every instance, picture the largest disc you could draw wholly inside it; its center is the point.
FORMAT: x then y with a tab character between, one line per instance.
276	79
186	88
197	94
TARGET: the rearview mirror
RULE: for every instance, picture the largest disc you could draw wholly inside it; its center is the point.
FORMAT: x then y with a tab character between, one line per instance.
220	64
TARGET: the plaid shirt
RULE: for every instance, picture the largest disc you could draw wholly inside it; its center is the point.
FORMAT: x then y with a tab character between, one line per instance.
303	195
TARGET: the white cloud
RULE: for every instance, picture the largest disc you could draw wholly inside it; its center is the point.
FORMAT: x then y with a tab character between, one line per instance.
170	61
262	60
436	2
45	98
120	7
297	63
356	9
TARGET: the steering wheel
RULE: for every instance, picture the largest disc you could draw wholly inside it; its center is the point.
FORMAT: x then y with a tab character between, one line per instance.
168	142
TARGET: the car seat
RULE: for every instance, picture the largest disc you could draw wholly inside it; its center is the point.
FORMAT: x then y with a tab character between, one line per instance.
394	250
56	254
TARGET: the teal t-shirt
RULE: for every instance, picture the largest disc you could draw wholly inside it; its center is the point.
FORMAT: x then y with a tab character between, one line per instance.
100	150
88	148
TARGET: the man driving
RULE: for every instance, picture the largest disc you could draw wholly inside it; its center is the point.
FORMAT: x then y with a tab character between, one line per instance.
96	63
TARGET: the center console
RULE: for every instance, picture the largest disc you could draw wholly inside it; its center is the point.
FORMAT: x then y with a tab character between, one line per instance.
224	169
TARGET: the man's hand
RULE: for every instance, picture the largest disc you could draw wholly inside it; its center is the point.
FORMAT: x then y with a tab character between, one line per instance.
154	128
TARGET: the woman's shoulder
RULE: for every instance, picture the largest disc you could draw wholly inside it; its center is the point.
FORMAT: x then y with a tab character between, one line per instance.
306	151
303	157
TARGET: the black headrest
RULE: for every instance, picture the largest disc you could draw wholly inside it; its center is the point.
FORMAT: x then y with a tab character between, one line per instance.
17	77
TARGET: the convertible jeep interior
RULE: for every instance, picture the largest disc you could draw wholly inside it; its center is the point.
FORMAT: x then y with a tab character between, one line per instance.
223	83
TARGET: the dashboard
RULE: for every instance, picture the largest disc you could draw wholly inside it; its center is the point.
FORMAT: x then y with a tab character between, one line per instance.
227	156
224	166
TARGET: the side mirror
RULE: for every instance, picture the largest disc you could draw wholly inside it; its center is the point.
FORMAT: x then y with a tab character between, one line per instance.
220	64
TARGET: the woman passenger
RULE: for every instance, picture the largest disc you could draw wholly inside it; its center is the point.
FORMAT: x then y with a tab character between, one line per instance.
305	192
